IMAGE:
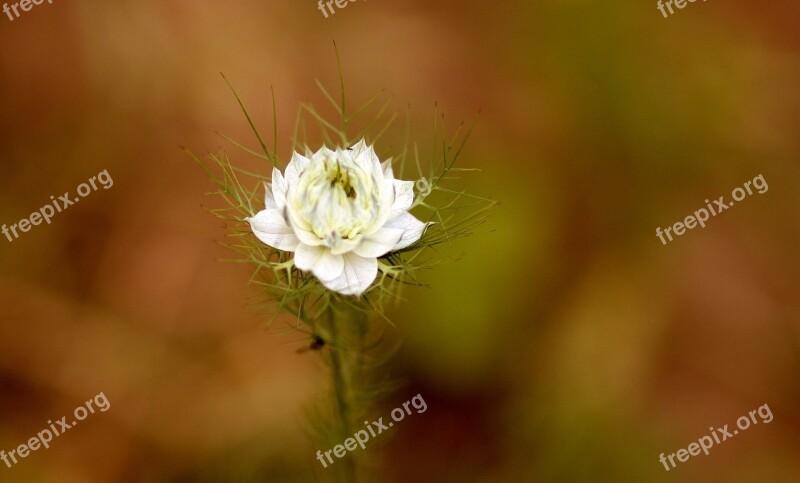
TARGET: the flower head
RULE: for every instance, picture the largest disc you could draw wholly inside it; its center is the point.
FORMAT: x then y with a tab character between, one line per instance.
338	211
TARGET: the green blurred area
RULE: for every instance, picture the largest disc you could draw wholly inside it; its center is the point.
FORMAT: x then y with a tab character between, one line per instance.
565	343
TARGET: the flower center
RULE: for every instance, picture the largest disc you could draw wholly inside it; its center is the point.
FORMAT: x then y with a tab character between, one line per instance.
341	180
336	200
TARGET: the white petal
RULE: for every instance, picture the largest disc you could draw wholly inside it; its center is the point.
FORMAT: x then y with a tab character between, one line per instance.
269	198
278	190
388	173
271	228
358	148
379	243
403	196
296	166
306	237
368	164
357	276
412	229
387	202
375	162
344	246
324	152
318	260
302	229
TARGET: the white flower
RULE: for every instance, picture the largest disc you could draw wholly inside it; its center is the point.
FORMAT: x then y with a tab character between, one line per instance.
338	211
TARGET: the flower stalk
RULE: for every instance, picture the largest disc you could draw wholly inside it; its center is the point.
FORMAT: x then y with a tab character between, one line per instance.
341	389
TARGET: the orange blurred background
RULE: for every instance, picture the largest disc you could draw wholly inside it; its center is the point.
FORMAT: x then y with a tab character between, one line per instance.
566	345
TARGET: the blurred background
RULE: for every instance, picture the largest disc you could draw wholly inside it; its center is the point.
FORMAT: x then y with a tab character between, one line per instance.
566	345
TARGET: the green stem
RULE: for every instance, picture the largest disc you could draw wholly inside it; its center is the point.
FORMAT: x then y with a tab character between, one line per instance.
340	387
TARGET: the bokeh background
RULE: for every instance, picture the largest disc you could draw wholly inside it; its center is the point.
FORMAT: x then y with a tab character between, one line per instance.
567	344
